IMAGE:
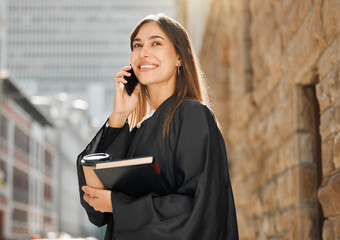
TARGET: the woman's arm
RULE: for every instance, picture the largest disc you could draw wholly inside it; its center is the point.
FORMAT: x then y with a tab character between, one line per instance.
116	143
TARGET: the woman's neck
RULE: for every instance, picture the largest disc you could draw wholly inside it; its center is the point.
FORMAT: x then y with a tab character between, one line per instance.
157	95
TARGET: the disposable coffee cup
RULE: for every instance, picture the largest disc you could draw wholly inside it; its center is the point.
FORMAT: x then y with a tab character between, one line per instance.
89	164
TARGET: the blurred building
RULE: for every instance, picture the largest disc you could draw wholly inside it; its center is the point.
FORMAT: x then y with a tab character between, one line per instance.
73	132
28	167
193	15
38	182
3	31
74	46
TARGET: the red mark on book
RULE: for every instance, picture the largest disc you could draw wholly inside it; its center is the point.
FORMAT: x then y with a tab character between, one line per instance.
156	166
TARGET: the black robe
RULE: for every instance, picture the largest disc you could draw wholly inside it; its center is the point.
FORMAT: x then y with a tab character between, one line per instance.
192	158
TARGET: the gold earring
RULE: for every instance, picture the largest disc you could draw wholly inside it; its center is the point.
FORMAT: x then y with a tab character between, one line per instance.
178	70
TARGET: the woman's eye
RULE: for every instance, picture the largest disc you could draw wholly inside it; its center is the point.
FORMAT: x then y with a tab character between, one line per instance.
156	43
137	45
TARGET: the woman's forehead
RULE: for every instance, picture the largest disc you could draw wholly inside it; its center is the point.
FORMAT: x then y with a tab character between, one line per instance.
150	29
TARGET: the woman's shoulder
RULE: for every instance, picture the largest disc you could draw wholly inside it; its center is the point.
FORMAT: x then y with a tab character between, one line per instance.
193	105
194	109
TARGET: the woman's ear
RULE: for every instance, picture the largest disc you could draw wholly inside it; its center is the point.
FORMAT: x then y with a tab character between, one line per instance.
179	62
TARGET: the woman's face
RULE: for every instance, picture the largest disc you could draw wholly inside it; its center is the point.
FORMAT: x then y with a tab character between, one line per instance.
153	58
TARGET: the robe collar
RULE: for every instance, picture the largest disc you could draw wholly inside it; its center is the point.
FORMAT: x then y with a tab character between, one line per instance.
162	109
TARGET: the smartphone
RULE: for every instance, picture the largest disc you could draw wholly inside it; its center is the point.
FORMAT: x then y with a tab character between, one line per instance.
131	82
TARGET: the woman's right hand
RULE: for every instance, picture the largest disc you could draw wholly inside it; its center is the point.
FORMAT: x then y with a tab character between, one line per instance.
124	104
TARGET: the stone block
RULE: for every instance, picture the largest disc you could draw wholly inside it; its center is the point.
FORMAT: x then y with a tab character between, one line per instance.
304	7
237	87
286	117
272	133
331	18
328	60
309	229
337	226
305	152
290	24
272	59
327	123
256	130
327	156
323	96
243	111
288	156
260	92
266	227
337	116
329	82
246	226
268	196
311	35
337	151
308	184
287	223
304	98
271	166
328	230
329	196
281	10
269	103
288	188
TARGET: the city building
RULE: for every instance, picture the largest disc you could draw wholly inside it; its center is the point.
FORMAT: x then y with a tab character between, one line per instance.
3	31
28	167
38	181
75	46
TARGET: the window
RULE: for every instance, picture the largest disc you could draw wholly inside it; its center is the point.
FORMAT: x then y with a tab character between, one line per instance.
48	163
3	127
3	174
19	216
21	140
20	188
47	196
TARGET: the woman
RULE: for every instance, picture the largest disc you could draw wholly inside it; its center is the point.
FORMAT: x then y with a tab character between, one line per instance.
179	131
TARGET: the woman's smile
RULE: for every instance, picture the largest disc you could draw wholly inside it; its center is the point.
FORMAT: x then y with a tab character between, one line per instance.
147	67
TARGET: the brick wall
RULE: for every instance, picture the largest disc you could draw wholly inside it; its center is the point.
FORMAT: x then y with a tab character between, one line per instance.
273	68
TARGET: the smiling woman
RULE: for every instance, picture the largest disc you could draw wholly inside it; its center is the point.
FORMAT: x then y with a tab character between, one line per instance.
178	130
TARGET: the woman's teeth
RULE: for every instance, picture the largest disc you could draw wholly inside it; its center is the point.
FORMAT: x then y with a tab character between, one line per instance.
147	66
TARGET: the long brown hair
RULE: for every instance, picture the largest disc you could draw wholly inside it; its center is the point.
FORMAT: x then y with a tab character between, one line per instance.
190	81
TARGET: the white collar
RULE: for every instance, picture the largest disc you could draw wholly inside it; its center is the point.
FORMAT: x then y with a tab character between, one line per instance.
149	115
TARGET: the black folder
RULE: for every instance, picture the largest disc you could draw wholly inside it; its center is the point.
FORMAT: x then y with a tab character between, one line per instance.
135	177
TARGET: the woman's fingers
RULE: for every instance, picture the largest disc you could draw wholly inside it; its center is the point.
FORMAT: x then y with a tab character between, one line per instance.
89	190
137	89
99	199
124	72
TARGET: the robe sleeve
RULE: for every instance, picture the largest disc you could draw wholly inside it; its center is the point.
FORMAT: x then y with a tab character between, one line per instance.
102	139
202	207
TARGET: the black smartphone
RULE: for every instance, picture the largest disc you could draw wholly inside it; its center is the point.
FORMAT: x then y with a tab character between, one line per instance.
131	82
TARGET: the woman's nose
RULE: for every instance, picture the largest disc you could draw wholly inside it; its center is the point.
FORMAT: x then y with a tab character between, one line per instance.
145	51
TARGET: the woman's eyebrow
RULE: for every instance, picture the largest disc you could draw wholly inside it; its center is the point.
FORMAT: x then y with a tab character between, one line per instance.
151	37
156	36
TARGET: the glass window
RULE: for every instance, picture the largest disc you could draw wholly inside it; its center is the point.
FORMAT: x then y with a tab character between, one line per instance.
19	215
3	174
47	195
21	140
3	127
48	163
20	188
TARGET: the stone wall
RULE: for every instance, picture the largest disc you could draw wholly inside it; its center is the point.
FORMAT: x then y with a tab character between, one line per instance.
273	68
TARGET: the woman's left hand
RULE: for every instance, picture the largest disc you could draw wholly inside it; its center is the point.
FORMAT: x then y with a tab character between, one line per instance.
99	199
